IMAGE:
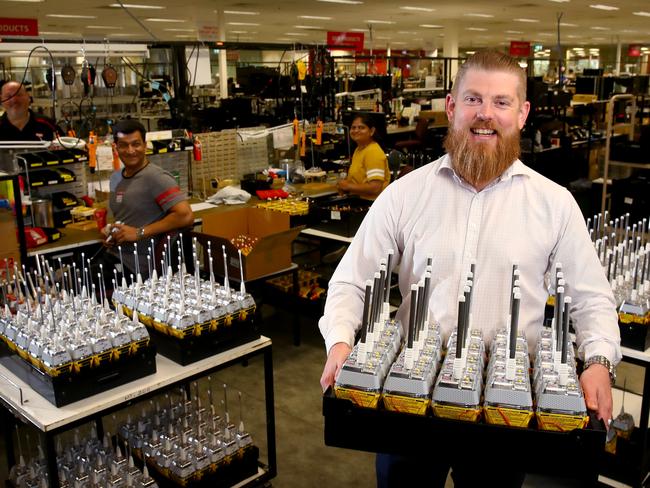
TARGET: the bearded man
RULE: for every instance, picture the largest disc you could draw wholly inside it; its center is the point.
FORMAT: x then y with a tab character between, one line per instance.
478	204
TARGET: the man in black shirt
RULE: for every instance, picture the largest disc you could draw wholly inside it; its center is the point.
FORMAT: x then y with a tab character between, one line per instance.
19	123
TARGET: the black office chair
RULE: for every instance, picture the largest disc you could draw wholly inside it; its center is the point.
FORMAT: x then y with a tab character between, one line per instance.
395	161
420	140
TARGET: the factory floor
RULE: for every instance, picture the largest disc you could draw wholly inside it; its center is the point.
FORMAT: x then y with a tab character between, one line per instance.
302	458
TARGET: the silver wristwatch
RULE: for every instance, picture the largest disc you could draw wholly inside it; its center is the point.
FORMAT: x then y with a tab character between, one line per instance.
605	362
140	233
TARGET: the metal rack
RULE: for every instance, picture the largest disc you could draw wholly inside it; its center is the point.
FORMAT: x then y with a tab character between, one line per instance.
21	401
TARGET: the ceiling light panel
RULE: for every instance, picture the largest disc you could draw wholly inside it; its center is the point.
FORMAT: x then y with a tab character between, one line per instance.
155	19
309	27
417	9
71	16
641	14
431	26
380	21
243	23
314	17
240	12
483	16
137	5
600	6
345	2
530	21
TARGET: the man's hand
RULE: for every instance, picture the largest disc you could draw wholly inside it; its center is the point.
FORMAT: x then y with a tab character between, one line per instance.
335	359
124	233
597	388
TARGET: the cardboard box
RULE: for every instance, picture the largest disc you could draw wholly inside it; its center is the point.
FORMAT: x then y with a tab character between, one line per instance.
435	118
272	252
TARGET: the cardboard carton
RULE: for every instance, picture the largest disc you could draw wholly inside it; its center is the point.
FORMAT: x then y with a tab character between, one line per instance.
271	253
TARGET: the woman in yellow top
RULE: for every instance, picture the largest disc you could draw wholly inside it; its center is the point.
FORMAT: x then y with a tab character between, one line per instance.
368	174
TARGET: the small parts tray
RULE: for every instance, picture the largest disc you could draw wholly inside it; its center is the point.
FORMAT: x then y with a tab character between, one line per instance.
341	216
382	431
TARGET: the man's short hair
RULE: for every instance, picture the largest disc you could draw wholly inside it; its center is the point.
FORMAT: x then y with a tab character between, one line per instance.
129	126
490	60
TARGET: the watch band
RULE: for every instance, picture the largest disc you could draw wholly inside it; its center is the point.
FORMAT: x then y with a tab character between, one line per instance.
599	359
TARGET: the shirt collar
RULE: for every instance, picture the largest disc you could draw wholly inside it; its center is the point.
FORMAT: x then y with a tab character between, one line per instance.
516	168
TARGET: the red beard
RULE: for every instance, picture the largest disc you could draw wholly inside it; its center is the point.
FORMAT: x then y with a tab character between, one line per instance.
478	164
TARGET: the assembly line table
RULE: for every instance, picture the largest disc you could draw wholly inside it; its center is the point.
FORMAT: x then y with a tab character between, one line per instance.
21	400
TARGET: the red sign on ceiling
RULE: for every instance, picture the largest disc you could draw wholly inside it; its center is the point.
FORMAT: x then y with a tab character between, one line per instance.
519	49
18	27
346	40
634	50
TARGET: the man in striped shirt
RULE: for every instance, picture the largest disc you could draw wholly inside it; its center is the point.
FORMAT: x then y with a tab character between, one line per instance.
144	198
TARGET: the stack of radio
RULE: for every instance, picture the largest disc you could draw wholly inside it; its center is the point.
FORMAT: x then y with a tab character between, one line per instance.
185	444
405	372
623	251
60	330
189	318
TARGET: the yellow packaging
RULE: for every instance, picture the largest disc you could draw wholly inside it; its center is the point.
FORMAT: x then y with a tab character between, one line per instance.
512	417
456	413
405	404
560	422
365	399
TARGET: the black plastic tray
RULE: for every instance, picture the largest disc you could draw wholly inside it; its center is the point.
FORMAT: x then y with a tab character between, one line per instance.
578	453
194	348
341	223
68	388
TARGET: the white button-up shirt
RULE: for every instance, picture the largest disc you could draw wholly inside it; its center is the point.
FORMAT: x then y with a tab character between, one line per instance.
521	218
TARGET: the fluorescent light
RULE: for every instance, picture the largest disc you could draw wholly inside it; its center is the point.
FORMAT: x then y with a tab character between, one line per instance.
572	36
301	34
237	32
431	26
309	27
103	27
120	34
526	20
600	6
137	5
478	29
470	52
629	31
598	38
71	16
384	38
417	9
380	21
179	30
240	12
567	24
26	1
485	16
641	14
184	36
164	20
346	2
560	1
598	28
406	32
514	32
314	17
400	43
544	34
358	30
53	33
243	23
